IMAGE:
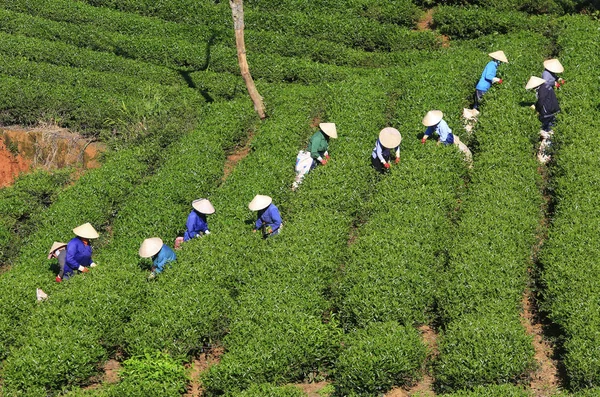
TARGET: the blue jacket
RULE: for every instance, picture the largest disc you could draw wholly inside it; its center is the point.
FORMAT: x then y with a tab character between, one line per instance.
270	217
443	131
196	224
485	82
164	256
78	254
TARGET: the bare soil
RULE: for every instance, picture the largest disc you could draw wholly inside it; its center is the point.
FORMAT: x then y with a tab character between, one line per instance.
238	155
423	388
312	389
425	23
545	380
199	365
44	147
109	375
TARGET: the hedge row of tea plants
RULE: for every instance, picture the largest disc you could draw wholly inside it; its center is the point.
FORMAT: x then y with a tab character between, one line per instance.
94	198
110	20
62	54
390	272
23	203
391	267
155	49
278	332
480	291
67	337
569	260
473	22
91	111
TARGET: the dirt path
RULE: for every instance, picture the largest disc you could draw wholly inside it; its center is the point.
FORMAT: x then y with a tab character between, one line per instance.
313	389
109	375
238	155
545	380
424	388
426	20
199	365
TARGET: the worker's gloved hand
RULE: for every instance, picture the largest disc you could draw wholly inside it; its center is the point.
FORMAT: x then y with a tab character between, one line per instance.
500	81
327	156
497	80
423	140
397	160
253	230
58	279
324	161
207	232
387	165
93	264
83	269
532	106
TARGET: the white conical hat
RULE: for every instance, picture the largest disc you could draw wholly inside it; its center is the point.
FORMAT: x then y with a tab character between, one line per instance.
432	118
259	202
329	129
86	231
533	82
390	137
554	66
150	247
499	55
56	246
203	206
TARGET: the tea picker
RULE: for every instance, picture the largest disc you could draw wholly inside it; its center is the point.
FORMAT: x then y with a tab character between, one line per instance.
552	67
434	122
160	253
196	224
389	138
79	250
547	108
488	76
268	219
58	251
316	153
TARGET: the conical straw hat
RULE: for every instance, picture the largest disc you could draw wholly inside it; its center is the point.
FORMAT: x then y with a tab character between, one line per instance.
533	82
554	66
499	55
56	246
432	118
390	137
150	247
203	206
259	202
86	231
329	129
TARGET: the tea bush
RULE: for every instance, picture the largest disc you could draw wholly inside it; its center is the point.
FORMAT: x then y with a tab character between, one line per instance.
115	290
22	204
378	357
480	292
568	263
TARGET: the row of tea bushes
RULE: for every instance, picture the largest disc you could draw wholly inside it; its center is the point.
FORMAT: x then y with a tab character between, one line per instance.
569	261
85	318
22	204
481	290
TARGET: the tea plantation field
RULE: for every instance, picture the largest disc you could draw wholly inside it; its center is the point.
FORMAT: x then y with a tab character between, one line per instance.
413	282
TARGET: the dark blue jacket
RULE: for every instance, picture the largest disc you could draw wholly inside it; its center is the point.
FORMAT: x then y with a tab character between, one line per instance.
196	224
78	254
